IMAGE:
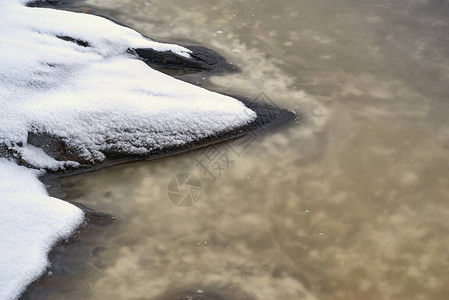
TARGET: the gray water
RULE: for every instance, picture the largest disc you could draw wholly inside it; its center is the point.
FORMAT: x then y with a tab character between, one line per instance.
349	203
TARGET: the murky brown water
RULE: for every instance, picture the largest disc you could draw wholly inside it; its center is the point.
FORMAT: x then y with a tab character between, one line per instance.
351	203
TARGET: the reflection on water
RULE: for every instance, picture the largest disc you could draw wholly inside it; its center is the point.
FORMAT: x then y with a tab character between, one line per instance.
349	204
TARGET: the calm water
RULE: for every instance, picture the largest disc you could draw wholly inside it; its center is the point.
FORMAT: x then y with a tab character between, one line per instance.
350	203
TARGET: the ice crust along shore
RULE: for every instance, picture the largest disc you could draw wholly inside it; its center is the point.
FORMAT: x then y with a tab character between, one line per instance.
94	96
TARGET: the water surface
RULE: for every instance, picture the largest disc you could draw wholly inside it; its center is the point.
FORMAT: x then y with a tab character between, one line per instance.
350	203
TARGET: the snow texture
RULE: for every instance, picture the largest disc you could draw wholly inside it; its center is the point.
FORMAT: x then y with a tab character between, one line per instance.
69	75
30	223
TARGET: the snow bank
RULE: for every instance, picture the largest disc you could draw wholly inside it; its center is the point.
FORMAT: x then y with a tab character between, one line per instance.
69	75
30	223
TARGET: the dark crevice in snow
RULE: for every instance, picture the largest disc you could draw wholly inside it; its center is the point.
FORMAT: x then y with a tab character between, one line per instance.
73	40
50	3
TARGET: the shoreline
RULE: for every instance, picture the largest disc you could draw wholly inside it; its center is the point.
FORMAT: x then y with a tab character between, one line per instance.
97	221
269	118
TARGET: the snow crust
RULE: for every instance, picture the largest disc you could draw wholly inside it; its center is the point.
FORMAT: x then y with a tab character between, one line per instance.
69	75
31	222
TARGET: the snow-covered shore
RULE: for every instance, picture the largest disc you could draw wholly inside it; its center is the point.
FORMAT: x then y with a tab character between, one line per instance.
70	76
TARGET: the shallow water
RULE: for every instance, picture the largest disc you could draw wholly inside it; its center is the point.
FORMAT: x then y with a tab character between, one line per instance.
349	203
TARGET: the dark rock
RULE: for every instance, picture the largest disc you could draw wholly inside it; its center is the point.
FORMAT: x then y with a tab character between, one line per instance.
269	118
202	59
4	151
53	186
56	147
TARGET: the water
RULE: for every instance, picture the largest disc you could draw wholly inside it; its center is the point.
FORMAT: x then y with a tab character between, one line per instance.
350	203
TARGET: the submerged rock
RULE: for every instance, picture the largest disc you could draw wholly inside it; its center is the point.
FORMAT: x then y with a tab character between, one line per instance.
193	296
95	217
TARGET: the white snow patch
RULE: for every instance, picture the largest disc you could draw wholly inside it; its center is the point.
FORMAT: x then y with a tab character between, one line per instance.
39	159
31	222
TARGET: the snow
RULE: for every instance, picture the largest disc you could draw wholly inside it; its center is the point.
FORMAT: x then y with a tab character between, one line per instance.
30	223
37	158
98	98
94	96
